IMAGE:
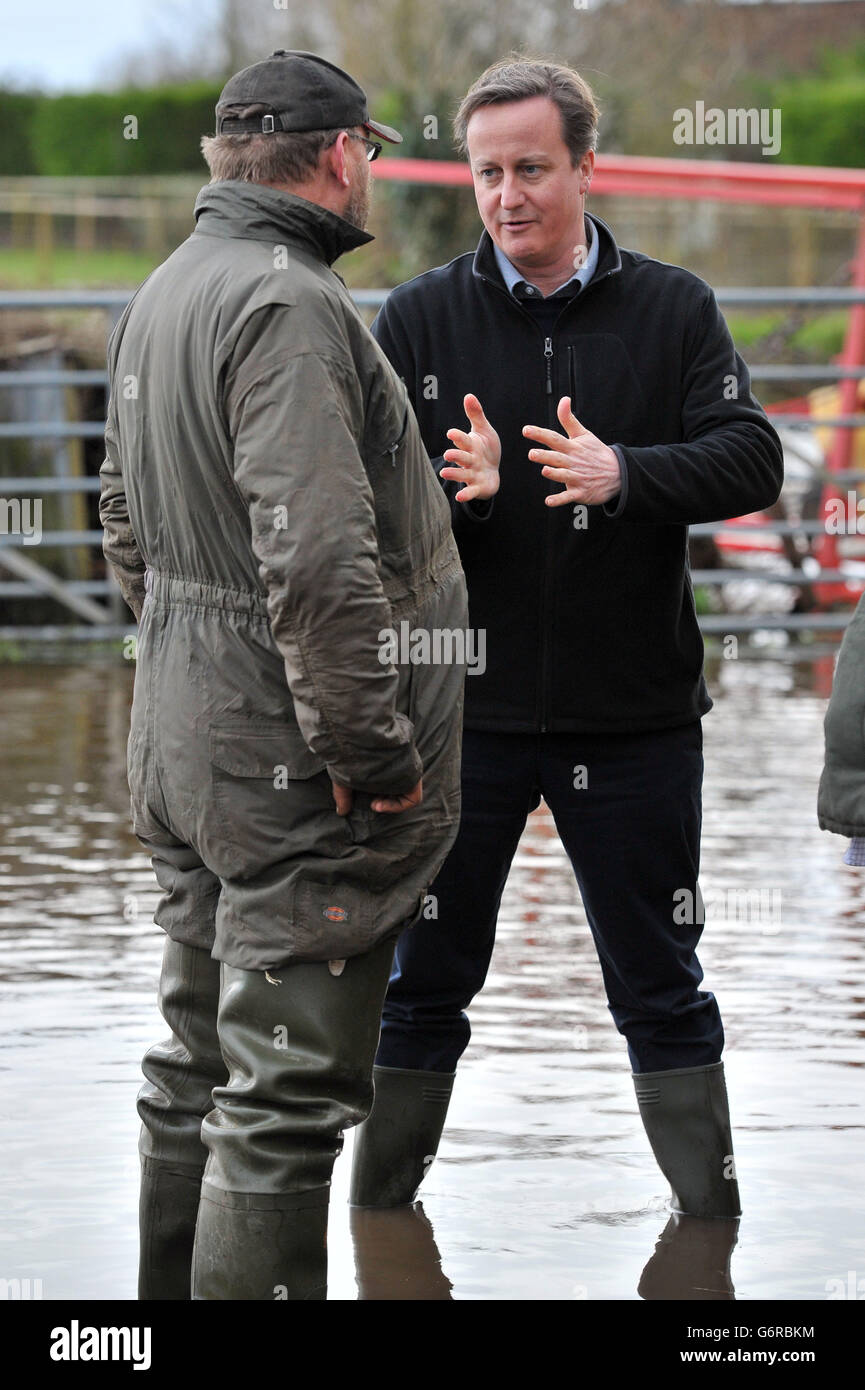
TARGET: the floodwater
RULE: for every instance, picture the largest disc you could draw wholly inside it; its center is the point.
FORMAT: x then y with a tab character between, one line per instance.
545	1187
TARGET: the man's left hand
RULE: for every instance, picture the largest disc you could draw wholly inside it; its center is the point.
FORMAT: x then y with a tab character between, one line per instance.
588	468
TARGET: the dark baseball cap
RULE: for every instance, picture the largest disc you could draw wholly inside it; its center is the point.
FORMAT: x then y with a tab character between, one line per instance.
303	92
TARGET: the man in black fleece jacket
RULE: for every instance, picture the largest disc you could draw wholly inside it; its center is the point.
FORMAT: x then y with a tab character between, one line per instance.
608	411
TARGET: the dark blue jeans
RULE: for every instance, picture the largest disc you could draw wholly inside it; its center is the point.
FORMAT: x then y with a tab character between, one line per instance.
632	834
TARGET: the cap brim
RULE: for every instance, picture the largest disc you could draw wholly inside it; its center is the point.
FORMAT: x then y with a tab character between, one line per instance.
385	131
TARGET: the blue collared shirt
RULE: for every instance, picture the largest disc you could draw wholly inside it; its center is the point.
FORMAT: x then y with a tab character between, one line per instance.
512	276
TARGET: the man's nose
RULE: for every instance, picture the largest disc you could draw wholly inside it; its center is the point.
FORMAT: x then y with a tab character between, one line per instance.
512	193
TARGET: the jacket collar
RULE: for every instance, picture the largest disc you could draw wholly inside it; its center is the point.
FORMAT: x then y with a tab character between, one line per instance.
609	258
255	212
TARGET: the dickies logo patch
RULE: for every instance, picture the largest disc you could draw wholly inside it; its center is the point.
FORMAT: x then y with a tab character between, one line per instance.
335	914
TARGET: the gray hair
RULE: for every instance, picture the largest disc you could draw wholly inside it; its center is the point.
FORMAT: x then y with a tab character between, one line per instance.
283	157
516	79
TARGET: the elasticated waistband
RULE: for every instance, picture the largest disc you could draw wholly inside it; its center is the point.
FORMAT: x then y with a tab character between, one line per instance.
402	591
176	591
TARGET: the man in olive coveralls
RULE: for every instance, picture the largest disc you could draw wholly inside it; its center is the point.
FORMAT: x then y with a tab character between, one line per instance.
271	515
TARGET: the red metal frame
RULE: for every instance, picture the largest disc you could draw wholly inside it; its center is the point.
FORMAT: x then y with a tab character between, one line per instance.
852	355
724	180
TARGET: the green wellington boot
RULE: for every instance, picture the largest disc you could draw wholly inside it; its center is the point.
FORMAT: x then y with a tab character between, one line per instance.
300	1044
394	1148
687	1121
261	1247
167	1211
180	1073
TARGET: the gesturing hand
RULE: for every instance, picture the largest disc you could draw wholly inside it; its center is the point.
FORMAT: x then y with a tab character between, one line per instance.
478	455
588	468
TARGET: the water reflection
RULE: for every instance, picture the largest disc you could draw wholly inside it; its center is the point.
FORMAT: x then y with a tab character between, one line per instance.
396	1256
545	1187
691	1262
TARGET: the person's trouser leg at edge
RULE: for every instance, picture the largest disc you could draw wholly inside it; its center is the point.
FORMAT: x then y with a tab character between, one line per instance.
300	1056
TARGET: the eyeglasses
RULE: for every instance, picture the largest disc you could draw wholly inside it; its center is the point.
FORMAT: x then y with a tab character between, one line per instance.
373	148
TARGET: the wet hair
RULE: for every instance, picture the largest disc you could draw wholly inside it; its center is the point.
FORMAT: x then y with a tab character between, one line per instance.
517	79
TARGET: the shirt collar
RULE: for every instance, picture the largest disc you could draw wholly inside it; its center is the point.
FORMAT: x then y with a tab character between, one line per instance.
512	276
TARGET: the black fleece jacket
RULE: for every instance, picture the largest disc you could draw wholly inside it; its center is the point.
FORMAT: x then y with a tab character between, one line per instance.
587	612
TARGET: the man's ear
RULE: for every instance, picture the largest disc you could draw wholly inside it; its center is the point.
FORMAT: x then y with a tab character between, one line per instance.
337	159
587	167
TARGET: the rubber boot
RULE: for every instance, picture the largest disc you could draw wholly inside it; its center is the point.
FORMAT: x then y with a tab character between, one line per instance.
180	1075
687	1121
260	1247
396	1257
395	1147
691	1261
300	1042
167	1212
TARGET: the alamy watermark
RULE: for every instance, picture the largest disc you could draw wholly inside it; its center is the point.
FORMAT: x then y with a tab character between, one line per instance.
758	906
20	1290
845	517
437	646
77	1343
735	126
21	516
853	1287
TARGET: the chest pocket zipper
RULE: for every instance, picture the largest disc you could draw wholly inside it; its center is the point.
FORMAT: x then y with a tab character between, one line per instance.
576	403
393	449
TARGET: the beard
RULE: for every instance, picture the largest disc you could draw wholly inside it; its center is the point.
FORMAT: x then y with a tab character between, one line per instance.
358	205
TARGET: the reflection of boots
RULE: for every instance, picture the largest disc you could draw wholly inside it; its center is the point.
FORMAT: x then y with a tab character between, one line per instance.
687	1120
180	1075
691	1261
300	1047
396	1256
394	1148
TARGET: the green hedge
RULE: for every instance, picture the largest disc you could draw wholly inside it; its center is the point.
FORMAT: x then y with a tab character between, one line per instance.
90	133
823	122
823	113
17	111
84	134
